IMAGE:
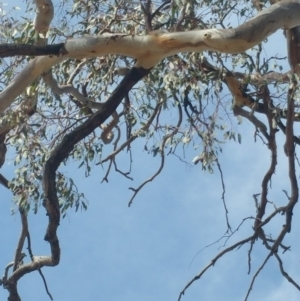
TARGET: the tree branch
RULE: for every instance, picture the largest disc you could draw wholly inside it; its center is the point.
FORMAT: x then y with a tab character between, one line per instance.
10	50
150	49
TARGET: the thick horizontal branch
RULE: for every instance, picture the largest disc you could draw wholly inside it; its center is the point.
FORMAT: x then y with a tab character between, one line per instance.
9	50
148	50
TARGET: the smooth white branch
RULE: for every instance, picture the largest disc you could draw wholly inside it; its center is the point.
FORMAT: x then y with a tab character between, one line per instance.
150	49
43	16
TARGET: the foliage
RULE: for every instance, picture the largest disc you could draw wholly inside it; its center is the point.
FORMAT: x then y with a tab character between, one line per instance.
185	101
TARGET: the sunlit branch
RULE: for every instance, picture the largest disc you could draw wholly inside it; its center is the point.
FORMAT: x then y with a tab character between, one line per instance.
76	71
150	49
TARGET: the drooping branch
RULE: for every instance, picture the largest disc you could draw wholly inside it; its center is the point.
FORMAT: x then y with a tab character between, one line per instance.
49	185
63	150
162	153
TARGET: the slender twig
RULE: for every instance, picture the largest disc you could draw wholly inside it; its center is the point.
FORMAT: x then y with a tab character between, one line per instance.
162	151
249	255
181	17
76	71
256	274
125	174
166	2
135	135
223	194
227	237
214	260
39	269
284	273
105	178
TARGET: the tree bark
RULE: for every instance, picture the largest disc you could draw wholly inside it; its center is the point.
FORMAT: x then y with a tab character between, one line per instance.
150	49
9	50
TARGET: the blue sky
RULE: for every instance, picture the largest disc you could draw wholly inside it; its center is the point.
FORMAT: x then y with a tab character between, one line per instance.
112	252
150	251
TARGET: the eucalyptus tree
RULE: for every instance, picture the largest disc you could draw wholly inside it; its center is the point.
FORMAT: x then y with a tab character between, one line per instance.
84	79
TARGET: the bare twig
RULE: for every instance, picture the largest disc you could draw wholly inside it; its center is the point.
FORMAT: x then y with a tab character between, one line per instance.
249	255
134	135
214	260
256	274
162	152
39	269
226	237
285	274
223	195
